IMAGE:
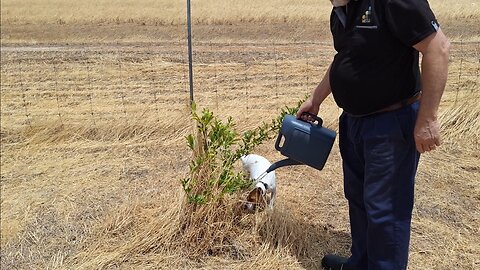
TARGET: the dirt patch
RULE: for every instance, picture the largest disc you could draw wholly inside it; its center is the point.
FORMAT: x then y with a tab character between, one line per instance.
131	32
107	33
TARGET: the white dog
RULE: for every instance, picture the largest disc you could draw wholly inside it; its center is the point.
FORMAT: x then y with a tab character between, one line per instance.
257	166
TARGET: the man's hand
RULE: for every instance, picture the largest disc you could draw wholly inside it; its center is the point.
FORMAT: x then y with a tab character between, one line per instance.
309	107
427	135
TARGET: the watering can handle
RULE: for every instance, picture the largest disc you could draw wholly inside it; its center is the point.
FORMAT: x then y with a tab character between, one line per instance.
315	117
277	143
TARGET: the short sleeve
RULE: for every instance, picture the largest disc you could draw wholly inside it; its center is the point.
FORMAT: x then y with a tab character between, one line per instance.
410	20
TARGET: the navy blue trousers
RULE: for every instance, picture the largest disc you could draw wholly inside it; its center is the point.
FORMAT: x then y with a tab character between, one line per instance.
379	165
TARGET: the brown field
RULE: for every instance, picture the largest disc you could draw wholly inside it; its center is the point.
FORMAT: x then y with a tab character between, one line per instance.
94	111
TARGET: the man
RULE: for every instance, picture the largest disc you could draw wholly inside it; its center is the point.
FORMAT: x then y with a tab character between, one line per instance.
389	117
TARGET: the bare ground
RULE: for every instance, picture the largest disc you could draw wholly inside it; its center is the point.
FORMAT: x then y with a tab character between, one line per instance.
114	33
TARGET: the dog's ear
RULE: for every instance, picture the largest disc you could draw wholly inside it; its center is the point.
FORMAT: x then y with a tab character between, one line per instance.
255	196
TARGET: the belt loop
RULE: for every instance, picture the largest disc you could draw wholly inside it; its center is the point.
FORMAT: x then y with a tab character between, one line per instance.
412	99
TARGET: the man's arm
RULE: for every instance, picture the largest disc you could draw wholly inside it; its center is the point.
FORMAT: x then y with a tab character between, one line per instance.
435	51
312	104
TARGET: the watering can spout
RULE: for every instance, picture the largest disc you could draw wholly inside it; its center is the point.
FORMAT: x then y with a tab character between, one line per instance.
282	163
303	143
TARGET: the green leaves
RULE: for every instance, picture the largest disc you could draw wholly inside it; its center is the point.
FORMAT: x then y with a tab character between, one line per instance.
190	142
216	146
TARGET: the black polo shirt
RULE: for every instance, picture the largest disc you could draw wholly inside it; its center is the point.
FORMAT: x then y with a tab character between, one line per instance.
376	65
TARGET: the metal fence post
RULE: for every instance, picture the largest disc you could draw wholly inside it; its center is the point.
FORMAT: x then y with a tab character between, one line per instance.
190	66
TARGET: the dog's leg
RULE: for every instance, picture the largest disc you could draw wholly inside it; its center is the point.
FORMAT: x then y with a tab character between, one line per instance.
272	199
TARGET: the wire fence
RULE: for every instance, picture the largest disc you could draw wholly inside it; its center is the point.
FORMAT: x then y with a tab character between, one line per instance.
129	83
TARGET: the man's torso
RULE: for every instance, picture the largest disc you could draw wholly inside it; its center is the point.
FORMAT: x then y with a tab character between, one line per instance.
375	66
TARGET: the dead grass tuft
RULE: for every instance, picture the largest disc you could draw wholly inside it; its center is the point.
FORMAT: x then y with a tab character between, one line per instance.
281	230
461	123
213	229
56	132
133	230
140	231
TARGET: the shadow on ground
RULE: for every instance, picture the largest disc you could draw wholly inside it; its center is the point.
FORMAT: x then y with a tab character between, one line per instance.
309	242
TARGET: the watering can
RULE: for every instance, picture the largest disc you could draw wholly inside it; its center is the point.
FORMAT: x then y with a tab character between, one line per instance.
303	142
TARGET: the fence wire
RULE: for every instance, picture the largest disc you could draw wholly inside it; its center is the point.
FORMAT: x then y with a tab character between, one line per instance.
129	83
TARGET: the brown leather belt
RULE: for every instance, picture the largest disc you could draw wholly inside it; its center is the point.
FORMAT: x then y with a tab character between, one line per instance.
395	106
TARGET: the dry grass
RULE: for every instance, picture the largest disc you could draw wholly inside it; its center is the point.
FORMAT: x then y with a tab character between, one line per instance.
461	122
159	12
55	21
93	140
93	148
167	12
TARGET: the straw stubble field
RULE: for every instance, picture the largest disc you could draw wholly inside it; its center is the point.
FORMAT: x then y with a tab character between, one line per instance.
93	148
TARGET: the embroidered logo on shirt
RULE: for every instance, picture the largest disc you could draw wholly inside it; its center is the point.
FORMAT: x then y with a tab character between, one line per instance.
367	16
435	26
